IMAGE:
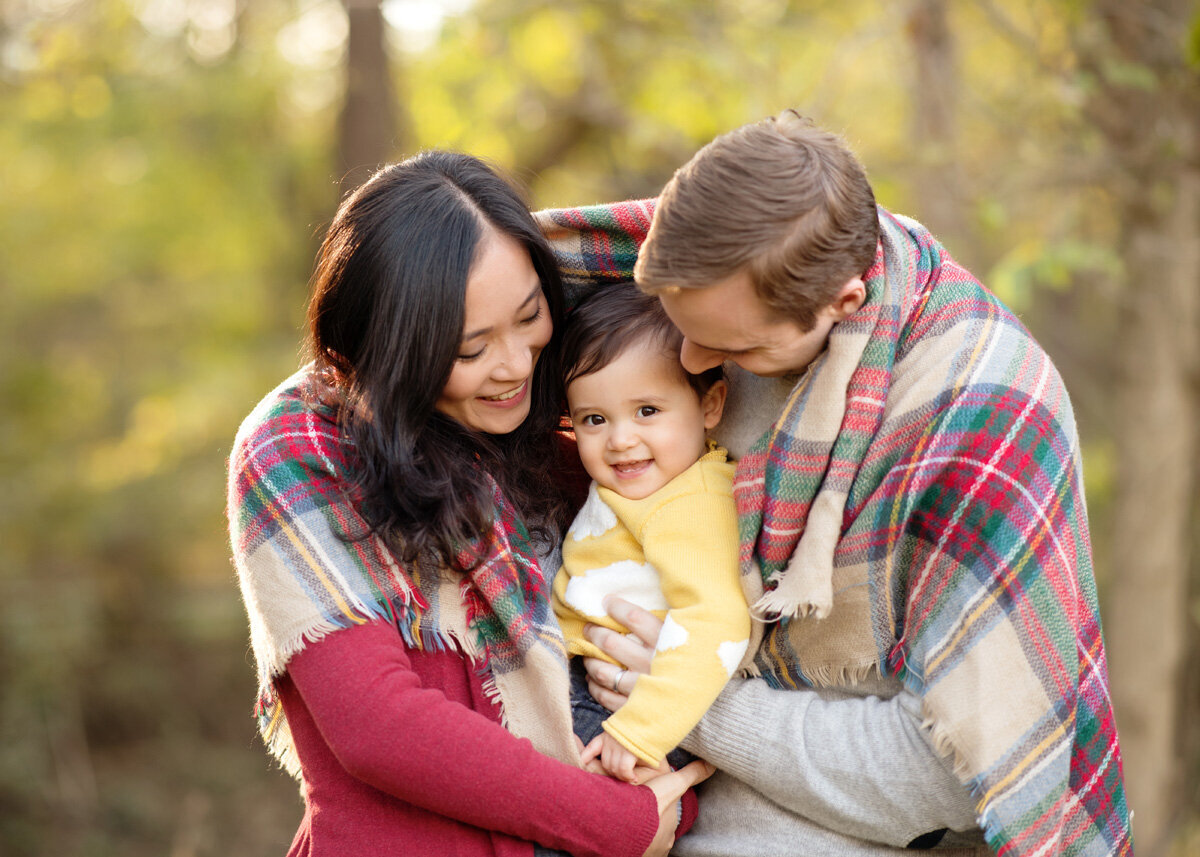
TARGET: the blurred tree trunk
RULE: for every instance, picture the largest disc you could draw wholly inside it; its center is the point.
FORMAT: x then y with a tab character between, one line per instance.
938	183
1145	102
367	133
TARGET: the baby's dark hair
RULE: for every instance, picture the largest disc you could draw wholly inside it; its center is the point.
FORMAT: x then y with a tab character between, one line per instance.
615	319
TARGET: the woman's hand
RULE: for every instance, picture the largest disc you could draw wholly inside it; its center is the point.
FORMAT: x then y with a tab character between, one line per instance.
668	789
610	685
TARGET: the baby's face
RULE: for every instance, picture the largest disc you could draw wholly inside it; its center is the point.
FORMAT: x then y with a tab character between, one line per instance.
639	424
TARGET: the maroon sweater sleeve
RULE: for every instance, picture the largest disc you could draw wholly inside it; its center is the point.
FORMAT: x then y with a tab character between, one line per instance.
416	744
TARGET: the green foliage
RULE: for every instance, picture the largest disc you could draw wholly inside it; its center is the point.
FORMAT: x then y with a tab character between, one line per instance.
591	101
1035	264
1192	44
167	167
159	197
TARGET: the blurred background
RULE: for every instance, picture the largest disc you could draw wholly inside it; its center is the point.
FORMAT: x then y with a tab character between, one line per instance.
167	168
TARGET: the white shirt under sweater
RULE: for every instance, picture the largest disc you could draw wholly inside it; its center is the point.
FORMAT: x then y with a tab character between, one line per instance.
845	771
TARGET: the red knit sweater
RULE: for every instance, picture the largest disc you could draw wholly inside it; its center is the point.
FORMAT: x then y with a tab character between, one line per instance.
402	753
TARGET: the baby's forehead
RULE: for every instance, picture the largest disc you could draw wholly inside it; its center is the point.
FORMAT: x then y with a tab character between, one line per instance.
655	368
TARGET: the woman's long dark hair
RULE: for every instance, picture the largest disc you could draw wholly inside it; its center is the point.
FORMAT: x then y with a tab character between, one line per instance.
385	326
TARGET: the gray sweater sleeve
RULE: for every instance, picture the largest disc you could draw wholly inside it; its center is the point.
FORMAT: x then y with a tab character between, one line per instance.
860	765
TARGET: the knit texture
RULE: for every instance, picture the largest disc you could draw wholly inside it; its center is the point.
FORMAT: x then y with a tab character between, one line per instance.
917	510
673	553
308	566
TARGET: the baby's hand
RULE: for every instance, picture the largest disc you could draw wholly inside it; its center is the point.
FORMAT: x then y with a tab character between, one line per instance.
616	760
588	760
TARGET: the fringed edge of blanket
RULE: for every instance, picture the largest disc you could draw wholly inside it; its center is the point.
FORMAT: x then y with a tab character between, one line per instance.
839	676
993	833
946	749
842	675
492	691
268	711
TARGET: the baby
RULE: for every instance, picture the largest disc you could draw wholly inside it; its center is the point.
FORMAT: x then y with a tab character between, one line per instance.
659	527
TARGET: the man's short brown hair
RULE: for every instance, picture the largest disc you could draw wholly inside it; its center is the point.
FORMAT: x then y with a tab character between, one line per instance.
781	199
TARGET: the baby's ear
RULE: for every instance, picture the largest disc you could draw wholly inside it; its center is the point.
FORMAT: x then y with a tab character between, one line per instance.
713	403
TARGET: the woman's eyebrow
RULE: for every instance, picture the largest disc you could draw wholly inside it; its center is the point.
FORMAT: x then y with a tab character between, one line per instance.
533	295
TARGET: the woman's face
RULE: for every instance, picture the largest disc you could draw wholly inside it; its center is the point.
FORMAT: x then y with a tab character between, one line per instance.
506	325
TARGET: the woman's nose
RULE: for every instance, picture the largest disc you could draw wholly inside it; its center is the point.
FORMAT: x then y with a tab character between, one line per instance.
516	360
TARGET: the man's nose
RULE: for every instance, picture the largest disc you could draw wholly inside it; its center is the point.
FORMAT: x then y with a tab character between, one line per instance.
696	358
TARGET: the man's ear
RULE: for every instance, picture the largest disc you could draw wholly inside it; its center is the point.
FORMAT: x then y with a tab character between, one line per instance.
712	403
850	297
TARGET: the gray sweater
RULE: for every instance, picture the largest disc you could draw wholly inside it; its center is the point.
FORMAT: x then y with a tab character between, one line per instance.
842	771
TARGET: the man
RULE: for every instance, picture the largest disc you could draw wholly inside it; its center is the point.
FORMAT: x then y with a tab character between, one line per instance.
913	535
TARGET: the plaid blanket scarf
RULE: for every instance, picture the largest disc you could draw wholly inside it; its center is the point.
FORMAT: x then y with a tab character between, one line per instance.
917	509
289	506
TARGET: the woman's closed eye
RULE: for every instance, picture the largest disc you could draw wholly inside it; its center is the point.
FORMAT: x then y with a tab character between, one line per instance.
524	322
537	314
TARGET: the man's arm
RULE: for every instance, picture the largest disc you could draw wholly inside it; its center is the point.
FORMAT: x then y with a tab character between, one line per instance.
861	766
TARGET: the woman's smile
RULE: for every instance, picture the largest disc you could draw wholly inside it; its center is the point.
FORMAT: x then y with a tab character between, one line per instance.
511	398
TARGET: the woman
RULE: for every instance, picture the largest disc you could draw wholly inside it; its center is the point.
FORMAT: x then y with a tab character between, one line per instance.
379	502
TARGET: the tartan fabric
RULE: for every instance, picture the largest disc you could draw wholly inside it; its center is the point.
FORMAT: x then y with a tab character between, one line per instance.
307	567
918	510
596	243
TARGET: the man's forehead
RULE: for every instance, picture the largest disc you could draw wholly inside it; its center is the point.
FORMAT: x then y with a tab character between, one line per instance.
713	329
722	304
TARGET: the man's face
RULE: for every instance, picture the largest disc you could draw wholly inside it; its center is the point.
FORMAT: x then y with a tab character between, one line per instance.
728	321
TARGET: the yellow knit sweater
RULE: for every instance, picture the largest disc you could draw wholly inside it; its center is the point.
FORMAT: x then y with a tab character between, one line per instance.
675	554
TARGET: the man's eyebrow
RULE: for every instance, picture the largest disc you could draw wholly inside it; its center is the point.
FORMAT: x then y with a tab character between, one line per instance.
533	295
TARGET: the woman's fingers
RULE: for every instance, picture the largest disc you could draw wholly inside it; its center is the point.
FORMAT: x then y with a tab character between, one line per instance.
670	787
629	651
644	773
600	687
610	684
633	650
610	676
641	622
